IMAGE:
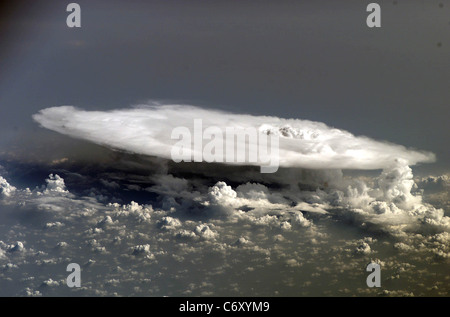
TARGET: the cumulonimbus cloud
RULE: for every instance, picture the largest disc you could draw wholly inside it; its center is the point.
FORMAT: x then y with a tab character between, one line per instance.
146	129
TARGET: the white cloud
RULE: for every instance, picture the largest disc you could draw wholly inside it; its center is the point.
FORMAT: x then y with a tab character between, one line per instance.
50	283
301	220
363	248
441	182
5	188
265	232
241	241
205	232
2	254
221	193
390	202
55	184
147	130
16	247
293	263
141	249
140	212
169	223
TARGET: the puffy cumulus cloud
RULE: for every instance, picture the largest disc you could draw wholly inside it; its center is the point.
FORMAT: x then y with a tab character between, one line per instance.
16	247
251	203
5	188
205	232
221	193
50	283
142	213
55	184
31	293
390	204
185	234
387	205
277	240
395	184
403	246
222	198
241	241
169	223
363	248
147	130
107	221
252	191
435	190
293	263
258	192
301	220
141	249
2	254
434	183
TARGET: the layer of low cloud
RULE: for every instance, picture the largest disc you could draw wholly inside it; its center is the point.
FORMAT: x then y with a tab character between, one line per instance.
242	239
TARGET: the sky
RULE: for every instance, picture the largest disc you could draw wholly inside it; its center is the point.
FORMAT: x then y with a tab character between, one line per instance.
80	181
295	59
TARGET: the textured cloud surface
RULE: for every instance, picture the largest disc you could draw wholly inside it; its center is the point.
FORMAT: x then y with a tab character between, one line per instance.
247	240
147	130
144	225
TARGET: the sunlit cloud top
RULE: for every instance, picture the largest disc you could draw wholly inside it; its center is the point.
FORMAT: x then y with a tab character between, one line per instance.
146	129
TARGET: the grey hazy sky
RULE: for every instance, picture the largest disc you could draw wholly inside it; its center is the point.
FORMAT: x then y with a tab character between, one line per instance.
313	60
